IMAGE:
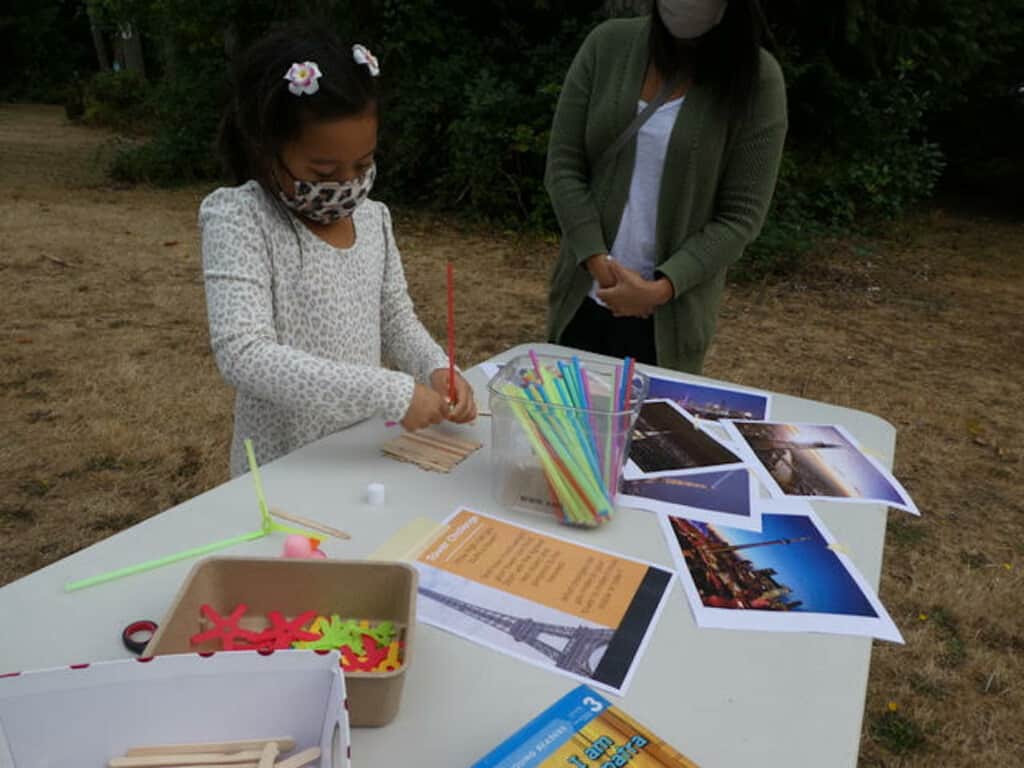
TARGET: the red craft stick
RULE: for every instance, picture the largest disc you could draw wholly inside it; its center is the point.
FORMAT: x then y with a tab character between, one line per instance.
451	334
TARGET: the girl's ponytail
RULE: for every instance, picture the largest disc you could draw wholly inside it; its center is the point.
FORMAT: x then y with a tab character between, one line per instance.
231	146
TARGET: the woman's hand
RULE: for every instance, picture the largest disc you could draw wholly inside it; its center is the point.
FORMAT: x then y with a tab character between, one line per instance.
464	408
630	295
427	408
598	267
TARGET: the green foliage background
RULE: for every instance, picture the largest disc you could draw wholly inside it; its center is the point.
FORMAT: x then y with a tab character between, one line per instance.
884	95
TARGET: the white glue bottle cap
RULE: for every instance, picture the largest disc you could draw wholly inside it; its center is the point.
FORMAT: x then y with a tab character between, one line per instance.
375	494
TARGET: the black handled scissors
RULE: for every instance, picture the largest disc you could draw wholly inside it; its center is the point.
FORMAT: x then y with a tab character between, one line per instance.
136	636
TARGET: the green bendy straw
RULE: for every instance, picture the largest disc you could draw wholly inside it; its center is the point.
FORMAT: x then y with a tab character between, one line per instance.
267	526
74	586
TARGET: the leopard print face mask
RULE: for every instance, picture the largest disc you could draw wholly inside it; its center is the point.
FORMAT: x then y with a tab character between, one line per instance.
326	202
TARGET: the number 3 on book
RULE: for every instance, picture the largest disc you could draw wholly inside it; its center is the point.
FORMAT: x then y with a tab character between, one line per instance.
592	703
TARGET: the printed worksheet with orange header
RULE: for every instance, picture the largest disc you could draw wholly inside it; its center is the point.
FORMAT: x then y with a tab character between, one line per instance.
578	610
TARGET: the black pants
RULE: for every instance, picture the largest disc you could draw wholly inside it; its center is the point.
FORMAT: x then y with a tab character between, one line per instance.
594	329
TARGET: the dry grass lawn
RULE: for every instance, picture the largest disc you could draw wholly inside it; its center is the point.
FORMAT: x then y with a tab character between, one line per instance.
112	409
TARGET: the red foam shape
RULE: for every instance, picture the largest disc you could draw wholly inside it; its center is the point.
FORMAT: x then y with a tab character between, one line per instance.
375	655
226	629
282	633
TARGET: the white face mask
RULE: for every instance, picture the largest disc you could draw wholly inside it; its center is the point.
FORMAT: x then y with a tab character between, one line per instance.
690	19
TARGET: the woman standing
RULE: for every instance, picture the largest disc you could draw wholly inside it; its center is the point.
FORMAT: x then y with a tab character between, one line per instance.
663	158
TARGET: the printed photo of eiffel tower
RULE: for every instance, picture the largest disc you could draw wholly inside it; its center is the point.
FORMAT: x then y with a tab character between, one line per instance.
817	461
572	648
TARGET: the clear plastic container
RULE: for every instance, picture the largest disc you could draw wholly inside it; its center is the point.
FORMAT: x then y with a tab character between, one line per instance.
549	454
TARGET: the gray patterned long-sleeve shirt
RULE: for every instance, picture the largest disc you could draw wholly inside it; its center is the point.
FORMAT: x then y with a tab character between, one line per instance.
299	328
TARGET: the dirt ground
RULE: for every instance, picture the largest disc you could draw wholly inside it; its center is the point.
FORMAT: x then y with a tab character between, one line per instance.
111	408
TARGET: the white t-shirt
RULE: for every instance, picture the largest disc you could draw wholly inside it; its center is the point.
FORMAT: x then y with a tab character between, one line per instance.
634	242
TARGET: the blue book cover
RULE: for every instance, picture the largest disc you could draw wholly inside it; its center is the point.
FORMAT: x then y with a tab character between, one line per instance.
584	730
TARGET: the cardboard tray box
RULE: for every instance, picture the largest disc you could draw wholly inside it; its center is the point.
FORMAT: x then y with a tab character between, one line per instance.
360	589
82	716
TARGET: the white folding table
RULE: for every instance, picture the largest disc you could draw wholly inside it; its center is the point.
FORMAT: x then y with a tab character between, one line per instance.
724	698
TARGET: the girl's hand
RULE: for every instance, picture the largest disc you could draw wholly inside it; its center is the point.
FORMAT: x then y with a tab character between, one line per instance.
631	295
427	408
464	409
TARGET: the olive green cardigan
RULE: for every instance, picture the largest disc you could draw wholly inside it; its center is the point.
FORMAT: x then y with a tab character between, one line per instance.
716	188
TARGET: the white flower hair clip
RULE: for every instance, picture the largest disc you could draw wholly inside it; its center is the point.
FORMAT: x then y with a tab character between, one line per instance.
361	54
302	78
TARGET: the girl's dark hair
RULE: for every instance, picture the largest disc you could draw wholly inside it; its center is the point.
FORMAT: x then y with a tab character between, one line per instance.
728	57
262	115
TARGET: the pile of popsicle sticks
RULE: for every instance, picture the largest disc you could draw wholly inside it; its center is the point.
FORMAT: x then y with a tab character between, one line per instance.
252	753
430	450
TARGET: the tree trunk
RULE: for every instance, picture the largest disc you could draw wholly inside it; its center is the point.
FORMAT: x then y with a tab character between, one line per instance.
231	41
169	55
98	42
133	60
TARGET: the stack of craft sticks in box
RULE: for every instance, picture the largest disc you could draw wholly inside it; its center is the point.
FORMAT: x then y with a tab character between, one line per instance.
252	753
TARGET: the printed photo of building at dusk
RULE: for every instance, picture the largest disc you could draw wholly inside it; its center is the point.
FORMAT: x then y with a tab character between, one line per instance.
788	566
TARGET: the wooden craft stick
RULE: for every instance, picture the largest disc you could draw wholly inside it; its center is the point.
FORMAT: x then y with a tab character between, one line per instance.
270	753
442	440
186	759
419	461
454	447
284	744
430	450
313	524
305	757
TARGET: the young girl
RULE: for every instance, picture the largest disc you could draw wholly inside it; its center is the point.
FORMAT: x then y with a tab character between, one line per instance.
304	284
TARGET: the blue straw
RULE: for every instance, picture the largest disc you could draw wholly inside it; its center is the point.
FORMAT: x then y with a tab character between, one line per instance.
621	403
577	369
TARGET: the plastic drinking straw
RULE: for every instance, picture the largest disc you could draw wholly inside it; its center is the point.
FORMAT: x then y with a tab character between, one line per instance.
536	363
570	499
571	384
580	430
608	458
567	421
257	481
627	367
556	428
623	425
627	389
589	404
268	523
452	394
567	450
267	526
74	586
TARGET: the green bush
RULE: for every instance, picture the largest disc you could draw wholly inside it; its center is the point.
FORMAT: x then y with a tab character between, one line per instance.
878	96
185	113
118	100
